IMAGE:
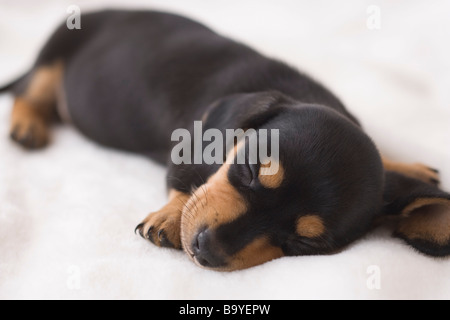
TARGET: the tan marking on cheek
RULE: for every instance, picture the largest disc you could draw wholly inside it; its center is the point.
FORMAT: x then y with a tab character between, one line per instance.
427	219
310	226
257	252
271	181
225	201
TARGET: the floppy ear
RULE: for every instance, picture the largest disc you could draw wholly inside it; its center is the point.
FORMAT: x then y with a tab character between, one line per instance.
244	111
423	211
238	111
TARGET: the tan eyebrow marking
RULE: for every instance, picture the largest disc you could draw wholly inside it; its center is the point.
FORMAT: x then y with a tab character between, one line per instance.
310	226
271	181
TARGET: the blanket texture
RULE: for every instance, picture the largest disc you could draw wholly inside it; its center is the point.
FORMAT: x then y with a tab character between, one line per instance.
67	213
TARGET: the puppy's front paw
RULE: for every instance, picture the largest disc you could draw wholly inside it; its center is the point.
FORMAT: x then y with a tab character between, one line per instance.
162	228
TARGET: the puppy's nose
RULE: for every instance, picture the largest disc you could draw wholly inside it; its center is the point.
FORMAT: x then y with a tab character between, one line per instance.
206	251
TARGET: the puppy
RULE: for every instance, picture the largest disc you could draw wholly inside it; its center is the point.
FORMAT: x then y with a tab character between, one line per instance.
129	79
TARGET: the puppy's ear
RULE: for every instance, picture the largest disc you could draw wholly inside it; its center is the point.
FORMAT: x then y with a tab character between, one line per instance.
244	111
423	211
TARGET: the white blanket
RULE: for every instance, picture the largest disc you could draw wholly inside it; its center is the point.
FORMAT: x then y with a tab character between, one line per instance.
67	213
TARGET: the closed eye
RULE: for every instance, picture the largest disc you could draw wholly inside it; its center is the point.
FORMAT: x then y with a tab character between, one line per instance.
254	172
248	173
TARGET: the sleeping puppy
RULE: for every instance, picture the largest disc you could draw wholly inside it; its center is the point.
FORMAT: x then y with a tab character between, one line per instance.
130	79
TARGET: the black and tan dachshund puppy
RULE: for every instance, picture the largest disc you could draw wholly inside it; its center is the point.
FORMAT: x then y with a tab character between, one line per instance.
129	79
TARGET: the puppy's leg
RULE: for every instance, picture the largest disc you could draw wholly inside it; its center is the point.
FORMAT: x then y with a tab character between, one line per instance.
163	227
35	107
421	209
417	171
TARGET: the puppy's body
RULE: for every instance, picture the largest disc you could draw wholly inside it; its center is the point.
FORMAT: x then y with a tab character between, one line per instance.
128	79
151	73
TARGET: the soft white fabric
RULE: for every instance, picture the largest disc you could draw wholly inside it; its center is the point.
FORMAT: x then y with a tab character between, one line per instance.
67	213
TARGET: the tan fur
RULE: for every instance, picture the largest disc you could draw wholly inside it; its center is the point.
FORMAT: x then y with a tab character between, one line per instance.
413	170
422	202
428	219
310	226
272	181
255	253
34	109
27	122
167	219
44	84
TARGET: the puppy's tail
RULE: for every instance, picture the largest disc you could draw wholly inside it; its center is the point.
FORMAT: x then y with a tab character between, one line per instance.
12	85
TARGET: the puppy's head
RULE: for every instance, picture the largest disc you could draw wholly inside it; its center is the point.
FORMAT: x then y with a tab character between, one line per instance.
324	192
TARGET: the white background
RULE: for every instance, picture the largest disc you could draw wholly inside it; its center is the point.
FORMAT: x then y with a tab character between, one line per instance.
67	213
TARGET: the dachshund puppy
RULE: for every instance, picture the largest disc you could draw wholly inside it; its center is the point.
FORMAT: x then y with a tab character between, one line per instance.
130	79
